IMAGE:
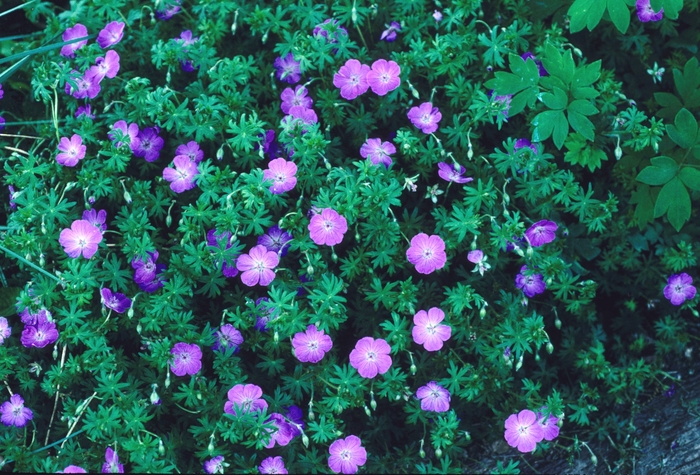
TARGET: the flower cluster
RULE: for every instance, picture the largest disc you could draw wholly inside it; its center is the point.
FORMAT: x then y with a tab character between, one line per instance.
354	79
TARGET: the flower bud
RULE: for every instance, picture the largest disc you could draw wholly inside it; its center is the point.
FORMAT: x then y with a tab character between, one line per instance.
338	433
276	337
220	153
199	395
373	404
537	357
618	152
482	312
421	453
168	220
367	411
310	270
594	459
167	77
161	449
695	312
305	440
557	323
167	380
42	261
529	252
139	328
438	452
467	436
520	363
264	38
334	256
397	397
550	347
413	369
55	352
357	236
127	197
210	447
28	257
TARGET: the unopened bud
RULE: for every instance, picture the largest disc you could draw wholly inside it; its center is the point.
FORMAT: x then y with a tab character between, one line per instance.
28	257
167	380
438	452
373	404
594	459
694	312
167	78
357	236
529	252
42	261
168	220
220	153
397	397
276	337
618	152
413	369
210	447
537	356
655	146
421	452
338	433
199	395
310	270
161	448
139	328
334	256
467	436
578	52
550	347
264	38
127	197
557	323
305	440
482	312
367	411
520	363
55	352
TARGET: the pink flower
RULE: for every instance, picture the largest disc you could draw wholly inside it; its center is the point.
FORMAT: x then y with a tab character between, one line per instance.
73	151
428	331
370	357
453	173
131	131
282	173
347	455
297	97
82	237
425	117
327	227
88	85
377	151
308	116
352	79
523	431
312	345
248	398
541	233
187	359
256	267
679	288
384	76
110	34
548	424
427	253
78	31
433	397
191	150
272	465
107	66
182	177
284	432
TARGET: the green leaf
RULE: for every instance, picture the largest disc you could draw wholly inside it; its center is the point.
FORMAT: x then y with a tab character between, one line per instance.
556	99
582	107
525	75
561	130
690	177
688	81
585	13
644	211
587	74
674	200
619	14
581	152
581	124
544	125
661	171
670	103
559	65
685	130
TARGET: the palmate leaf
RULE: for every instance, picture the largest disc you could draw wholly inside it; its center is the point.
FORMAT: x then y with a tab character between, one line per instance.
674	201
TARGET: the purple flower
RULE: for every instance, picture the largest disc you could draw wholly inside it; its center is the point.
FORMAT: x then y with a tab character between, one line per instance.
541	233
433	397
427	253
107	66
330	29
288	69
13	412
327	227
272	465
352	79
428	331
276	240
78	31
269	313
530	284
308	116
297	97
145	270
257	266
2	93
86	111
453	173
218	240
112	464
371	357
88	85
248	398
645	13
312	345
478	258
214	465
2	123
111	34
679	289
5	330
96	218
425	117
169	10
269	145
39	335
131	131
548	424
186	39
523	431
149	144
187	360
72	150
347	455
384	77
73	469
540	67
115	300
523	143
284	433
282	174
503	102
191	150
81	238
378	151
671	391
29	318
389	34
227	336
182	177
437	15
13	205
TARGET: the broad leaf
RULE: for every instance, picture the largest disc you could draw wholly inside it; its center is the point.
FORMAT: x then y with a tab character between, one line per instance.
675	201
619	14
690	177
661	171
685	129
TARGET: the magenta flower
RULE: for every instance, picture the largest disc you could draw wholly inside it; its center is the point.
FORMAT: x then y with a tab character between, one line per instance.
107	66
427	253
78	31
72	150
148	144
297	97
352	79
308	116
276	240
541	233
187	359
110	34
312	345
288	69
248	398
425	117
645	13
214	465
389	35
347	455
2	93
191	150
5	330
169	10
283	435
115	301
453	173
428	331
331	30
39	335
2	123
530	284
523	431
29	318
540	67
96	218
146	270
679	289
327	227
88	84
477	257
81	238
378	151
549	425
74	469
433	397
384	77
282	174
503	102
370	357
227	336
13	412
257	266
523	143
268	313
272	465
131	131
182	177
112	464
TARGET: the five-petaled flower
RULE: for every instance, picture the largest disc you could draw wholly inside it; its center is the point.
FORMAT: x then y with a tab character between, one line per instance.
389	35
116	301
541	233
477	257
257	266
282	174
111	34
96	218
276	240
371	357
214	465
227	337
428	331
72	150
680	288
523	431
425	117
427	253
453	173
532	284
81	238
347	455
190	150
645	13
187	359
182	177
13	412
284	432
295	97
247	397
149	144
433	397
378	151
288	69
310	346
327	227
106	66
351	78
77	31
384	77
5	330
112	464
272	465
548	424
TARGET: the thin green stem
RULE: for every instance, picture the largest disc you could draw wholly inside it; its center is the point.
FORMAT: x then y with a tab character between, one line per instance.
25	261
18	7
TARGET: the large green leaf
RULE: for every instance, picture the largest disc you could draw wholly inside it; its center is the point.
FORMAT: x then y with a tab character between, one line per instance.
661	171
525	74
556	99
675	201
685	129
585	14
619	14
690	177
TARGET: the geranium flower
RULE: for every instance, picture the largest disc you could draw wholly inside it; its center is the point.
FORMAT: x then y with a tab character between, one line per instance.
288	69
433	397
96	218
74	469
541	233
548	424
191	150
371	357
308	116
112	464
645	13
88	85
331	30
149	144
453	173
427	253
182	177
148	273
389	35
257	266
295	97
248	398
187	359
531	285
312	345
477	257
111	34
107	66
131	131
425	117
272	465
227	336
5	330
81	238
13	412
169	10
347	455
351	79
679	289
384	77
77	31
283	175
276	240
39	335
524	143
378	151
428	331
327	227
284	433
214	465
116	301
72	150
523	431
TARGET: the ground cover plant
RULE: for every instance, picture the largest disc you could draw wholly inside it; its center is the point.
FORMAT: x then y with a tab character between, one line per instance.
340	237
